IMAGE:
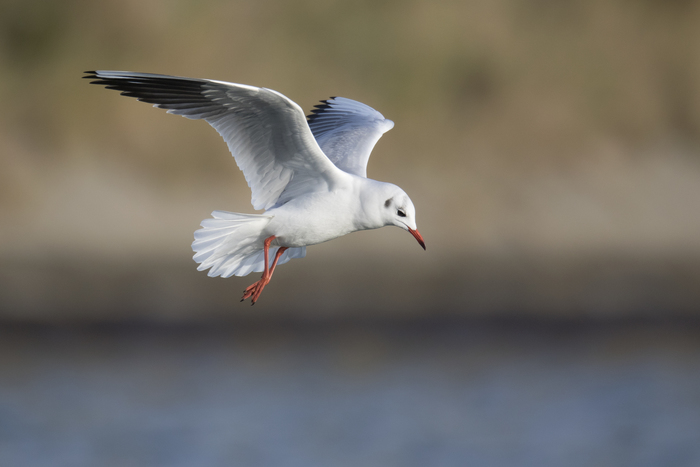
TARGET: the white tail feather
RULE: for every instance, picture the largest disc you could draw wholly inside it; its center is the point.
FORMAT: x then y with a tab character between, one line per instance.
232	244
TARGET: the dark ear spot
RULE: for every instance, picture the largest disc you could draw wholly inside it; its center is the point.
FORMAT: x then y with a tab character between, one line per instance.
387	203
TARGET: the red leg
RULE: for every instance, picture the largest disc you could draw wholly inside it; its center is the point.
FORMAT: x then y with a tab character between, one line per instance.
259	290
256	289
277	257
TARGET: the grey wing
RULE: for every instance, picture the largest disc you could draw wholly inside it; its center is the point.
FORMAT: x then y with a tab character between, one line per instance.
346	131
265	131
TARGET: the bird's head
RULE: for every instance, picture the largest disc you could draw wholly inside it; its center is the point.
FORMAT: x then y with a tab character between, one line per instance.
398	210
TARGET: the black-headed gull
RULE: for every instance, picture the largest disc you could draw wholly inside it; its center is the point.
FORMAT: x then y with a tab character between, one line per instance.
310	177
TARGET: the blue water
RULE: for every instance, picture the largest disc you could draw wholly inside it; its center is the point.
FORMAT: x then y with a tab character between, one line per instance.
351	395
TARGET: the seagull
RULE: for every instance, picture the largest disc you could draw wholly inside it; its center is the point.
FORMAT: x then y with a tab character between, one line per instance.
308	174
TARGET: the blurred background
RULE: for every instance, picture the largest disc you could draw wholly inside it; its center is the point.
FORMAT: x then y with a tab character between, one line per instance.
552	150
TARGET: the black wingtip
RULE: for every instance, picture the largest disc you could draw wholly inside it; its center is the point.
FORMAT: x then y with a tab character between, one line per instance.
93	75
319	109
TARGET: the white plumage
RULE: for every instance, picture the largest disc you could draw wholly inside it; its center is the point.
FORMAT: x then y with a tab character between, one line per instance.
309	177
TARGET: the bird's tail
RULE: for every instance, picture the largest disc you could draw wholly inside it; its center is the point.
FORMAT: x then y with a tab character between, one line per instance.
232	244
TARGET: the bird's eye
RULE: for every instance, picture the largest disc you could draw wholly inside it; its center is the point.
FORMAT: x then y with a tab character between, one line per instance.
401	213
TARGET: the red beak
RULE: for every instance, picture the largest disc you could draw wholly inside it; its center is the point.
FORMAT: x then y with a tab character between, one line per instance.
418	236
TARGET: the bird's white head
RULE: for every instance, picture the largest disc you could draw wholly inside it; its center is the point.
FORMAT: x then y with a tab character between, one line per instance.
397	209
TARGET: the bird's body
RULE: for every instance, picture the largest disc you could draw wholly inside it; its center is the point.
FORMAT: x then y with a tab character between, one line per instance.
309	178
318	217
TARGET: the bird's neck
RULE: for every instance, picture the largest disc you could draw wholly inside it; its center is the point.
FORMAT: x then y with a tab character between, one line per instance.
370	212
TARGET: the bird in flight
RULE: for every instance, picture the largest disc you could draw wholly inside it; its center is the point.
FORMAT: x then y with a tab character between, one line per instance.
309	176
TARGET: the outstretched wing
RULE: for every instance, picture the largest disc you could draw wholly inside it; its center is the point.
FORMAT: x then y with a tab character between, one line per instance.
346	131
266	132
